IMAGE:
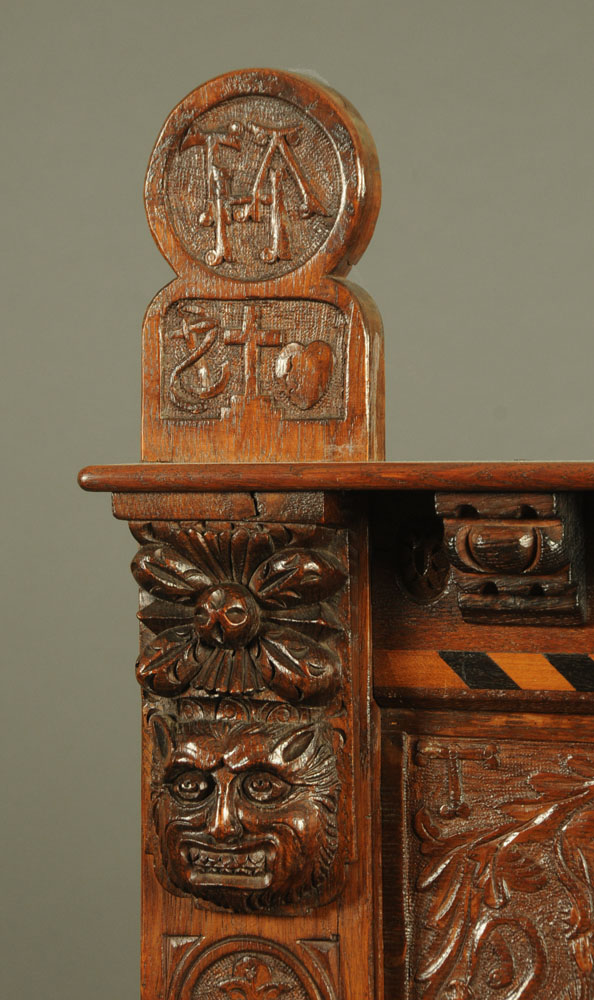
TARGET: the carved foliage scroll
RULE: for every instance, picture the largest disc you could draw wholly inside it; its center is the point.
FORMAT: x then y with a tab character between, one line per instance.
244	674
501	870
517	558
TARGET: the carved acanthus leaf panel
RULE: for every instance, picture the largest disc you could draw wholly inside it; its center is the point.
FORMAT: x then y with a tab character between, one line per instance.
501	886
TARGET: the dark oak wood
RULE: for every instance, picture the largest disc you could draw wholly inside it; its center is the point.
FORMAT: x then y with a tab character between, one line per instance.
517	558
488	827
480	476
263	187
367	686
259	738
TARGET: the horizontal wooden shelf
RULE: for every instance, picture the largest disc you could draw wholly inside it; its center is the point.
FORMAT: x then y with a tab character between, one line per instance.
163	477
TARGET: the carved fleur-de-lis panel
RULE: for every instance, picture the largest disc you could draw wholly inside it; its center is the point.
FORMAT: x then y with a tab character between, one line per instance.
246	813
242	608
247	969
502	890
290	352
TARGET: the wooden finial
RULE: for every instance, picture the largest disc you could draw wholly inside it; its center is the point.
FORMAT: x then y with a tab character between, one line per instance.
260	187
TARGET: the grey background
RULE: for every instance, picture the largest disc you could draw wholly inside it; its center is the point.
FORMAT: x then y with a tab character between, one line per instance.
481	265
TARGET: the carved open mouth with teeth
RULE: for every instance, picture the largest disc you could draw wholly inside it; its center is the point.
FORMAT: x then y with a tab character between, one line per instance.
243	868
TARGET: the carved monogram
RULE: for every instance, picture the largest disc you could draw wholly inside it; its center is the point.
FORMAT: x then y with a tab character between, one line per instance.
246	812
241	608
291	352
503	890
253	187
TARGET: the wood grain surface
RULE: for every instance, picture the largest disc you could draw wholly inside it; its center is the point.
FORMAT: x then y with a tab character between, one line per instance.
349	683
259	742
479	476
262	189
488	825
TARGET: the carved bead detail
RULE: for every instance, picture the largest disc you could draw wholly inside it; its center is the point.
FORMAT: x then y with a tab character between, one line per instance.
239	609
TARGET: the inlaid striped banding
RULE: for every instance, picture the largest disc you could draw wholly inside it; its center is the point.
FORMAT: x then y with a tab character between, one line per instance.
449	670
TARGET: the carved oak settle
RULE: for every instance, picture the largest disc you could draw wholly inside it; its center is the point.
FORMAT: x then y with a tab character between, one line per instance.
368	758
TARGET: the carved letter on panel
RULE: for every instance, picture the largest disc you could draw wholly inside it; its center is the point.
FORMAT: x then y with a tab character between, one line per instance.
259	188
257	799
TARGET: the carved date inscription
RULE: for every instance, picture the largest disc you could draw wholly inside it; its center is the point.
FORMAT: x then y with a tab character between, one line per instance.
502	890
291	352
253	187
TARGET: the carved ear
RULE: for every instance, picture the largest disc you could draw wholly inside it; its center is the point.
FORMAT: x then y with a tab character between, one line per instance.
162	729
295	745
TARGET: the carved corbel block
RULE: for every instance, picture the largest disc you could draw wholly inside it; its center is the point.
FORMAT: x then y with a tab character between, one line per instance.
246	687
517	557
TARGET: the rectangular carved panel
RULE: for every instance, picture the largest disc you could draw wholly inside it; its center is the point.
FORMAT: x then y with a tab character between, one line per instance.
497	874
214	351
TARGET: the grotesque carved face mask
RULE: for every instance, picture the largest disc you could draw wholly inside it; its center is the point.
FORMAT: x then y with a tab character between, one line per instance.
246	813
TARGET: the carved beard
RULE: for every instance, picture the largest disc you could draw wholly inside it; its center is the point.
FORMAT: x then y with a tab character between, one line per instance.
246	813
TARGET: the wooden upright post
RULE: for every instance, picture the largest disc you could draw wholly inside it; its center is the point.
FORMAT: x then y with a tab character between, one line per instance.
259	805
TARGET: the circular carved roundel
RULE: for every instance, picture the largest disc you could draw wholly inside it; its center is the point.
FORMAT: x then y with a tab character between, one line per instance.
250	968
258	173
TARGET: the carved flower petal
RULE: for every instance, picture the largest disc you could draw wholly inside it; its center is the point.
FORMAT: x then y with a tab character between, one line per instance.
163	571
316	620
229	671
168	665
296	576
296	667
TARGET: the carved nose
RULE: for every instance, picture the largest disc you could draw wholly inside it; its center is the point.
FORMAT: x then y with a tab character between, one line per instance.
225	823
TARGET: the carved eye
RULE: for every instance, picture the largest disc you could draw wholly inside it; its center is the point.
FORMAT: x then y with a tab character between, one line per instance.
193	786
236	615
262	786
